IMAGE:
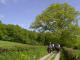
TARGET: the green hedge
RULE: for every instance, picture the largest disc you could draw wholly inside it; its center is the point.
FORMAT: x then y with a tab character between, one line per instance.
63	57
71	54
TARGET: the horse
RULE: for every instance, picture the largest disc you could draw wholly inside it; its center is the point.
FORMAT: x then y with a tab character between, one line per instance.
49	49
53	48
57	47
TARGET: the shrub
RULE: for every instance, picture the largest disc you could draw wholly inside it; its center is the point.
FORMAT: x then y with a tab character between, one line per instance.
71	54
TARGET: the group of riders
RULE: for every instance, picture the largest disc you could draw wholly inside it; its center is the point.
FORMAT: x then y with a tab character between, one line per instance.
53	47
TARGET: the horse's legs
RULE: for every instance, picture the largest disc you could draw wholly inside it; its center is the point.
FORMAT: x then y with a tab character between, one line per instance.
49	50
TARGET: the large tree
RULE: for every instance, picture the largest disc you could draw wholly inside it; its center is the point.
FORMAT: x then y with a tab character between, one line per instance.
55	17
58	18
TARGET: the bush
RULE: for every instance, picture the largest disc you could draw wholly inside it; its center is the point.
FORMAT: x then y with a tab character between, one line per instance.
71	54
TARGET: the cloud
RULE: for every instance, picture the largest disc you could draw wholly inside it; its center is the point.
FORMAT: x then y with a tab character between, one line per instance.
2	17
3	1
7	1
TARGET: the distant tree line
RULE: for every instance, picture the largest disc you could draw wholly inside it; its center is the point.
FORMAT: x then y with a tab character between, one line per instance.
14	33
10	32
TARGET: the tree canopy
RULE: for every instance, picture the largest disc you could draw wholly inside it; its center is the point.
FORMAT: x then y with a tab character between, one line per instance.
59	21
55	17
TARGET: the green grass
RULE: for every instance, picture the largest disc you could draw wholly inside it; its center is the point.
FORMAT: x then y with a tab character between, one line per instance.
6	44
63	56
29	54
17	51
77	53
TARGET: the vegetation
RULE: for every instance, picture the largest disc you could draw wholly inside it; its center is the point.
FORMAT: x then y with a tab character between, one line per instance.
57	24
18	51
60	22
55	17
28	54
63	57
71	54
15	33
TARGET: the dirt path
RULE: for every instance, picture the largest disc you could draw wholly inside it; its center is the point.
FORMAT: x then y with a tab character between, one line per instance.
46	57
57	57
52	56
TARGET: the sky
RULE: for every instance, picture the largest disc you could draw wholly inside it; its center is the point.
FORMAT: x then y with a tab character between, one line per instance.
24	12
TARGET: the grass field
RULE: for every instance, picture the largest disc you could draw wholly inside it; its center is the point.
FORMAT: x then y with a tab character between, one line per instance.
18	51
6	44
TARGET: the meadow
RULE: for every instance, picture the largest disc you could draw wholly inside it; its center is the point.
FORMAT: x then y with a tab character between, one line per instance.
18	51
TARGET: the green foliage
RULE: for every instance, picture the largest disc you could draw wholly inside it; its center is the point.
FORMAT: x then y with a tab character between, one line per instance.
63	57
59	22
15	33
18	51
72	54
29	54
55	17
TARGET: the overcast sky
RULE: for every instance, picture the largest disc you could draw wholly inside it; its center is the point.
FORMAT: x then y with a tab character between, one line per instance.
24	12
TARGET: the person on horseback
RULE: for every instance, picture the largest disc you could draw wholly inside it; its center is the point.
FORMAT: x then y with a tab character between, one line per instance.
49	49
53	48
57	47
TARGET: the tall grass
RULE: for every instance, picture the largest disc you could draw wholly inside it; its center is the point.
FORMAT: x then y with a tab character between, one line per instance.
28	54
71	54
16	51
63	57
